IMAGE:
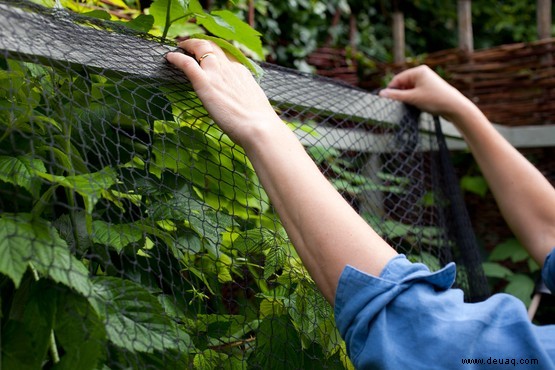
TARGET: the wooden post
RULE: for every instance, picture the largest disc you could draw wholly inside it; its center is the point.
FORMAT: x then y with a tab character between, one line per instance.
372	201
466	39
251	13
398	37
543	15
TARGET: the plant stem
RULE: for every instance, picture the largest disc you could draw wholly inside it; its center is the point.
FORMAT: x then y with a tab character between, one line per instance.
54	348
168	21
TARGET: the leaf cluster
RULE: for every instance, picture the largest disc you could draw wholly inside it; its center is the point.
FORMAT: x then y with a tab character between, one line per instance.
127	220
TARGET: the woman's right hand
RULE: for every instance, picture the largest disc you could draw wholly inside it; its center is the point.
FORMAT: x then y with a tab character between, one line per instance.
226	88
422	87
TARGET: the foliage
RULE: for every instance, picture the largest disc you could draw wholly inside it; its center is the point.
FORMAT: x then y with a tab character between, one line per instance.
145	236
474	184
123	226
508	266
498	23
510	253
174	19
293	30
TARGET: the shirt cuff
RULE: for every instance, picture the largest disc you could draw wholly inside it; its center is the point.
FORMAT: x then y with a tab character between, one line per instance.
360	297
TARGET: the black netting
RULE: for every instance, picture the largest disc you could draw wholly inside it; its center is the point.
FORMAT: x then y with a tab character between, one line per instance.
135	234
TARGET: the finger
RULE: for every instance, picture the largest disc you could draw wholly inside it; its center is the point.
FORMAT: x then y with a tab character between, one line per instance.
188	65
203	50
403	80
396	94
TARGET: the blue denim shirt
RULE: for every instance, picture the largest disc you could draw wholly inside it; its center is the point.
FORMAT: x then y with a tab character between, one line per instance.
410	318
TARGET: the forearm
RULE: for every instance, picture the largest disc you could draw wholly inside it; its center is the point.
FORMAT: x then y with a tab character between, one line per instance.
524	196
327	233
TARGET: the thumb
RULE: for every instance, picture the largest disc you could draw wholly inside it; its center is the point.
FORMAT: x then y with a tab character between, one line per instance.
396	94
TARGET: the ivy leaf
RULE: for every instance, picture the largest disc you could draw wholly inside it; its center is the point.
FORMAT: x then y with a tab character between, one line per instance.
21	171
134	319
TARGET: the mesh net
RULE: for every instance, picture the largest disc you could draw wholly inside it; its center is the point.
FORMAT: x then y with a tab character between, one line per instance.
135	234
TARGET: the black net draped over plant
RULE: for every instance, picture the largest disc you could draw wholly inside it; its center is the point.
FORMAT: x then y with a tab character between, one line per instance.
134	234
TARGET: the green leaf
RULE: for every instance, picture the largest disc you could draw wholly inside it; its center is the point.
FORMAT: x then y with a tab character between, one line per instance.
255	241
143	23
134	319
225	24
509	249
209	224
308	308
431	261
495	270
168	15
41	308
26	333
25	240
276	338
22	171
208	359
475	184
117	236
80	334
276	258
521	286
90	186
73	229
16	242
57	262
231	49
100	14
178	208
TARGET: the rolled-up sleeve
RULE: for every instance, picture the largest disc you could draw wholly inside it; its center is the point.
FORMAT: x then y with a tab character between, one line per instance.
410	318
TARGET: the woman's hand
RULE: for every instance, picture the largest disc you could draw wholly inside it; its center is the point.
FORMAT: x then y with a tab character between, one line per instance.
423	88
227	89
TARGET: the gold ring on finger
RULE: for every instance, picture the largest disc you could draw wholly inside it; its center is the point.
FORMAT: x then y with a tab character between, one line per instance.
205	56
